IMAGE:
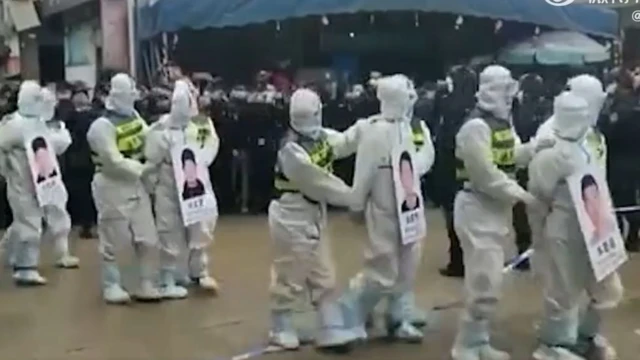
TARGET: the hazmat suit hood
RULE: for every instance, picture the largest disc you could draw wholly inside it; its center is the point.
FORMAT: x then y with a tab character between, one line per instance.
122	95
591	90
181	105
571	114
394	93
30	99
305	111
413	97
49	103
496	91
194	93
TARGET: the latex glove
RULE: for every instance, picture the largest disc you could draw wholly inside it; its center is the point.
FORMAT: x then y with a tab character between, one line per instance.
544	143
357	217
532	201
147	169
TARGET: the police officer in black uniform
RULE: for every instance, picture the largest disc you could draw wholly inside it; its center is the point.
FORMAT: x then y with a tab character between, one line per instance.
531	109
455	103
622	131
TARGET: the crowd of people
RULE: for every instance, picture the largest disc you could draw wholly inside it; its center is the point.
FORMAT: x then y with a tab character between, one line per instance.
485	142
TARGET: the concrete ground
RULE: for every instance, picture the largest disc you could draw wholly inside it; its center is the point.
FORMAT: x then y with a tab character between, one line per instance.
67	319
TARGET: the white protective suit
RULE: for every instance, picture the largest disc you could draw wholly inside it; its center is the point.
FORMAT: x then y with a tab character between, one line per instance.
179	243
125	217
489	151
390	267
561	257
26	230
425	152
297	222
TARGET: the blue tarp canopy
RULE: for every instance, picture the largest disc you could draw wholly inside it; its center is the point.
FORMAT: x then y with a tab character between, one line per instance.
173	15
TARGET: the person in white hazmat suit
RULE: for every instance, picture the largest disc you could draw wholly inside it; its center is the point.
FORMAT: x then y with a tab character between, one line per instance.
125	218
592	91
425	154
390	267
304	184
61	138
26	230
488	152
561	258
175	238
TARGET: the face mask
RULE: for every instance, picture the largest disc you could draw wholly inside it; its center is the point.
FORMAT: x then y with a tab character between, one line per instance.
48	112
311	127
449	83
636	81
313	134
122	104
497	98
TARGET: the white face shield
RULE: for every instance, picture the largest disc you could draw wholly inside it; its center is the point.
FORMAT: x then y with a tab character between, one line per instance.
180	106
30	99
305	111
496	91
49	103
571	117
122	95
591	90
395	93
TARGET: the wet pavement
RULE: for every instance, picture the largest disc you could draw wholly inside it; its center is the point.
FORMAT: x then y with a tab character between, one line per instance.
67	319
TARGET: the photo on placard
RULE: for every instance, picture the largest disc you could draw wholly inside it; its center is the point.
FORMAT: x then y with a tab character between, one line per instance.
596	216
409	201
44	161
410	192
45	172
192	185
194	190
598	220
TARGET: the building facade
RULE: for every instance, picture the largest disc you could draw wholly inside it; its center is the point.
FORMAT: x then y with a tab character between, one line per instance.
65	40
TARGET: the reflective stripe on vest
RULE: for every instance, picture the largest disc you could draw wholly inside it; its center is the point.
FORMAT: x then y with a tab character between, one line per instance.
321	155
595	142
199	131
417	133
129	141
503	144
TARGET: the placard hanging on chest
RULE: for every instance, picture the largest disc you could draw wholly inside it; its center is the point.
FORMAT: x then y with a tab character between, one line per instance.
408	195
195	193
45	172
594	208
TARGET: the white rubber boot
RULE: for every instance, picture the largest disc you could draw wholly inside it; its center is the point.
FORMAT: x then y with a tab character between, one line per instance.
488	352
601	349
147	292
68	262
65	259
208	283
168	287
28	278
283	333
332	332
407	332
544	352
115	295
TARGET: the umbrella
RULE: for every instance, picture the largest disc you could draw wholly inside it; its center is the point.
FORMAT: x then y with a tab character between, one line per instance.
555	48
